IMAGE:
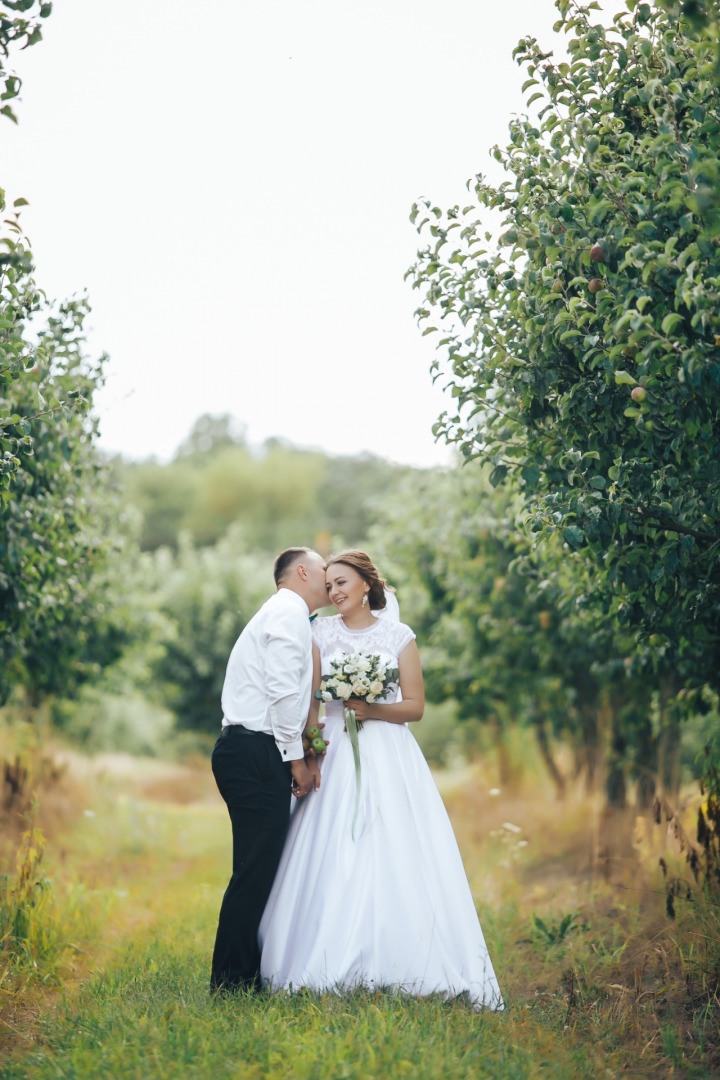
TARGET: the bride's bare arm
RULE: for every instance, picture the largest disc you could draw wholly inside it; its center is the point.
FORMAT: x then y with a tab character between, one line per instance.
314	711
313	718
412	705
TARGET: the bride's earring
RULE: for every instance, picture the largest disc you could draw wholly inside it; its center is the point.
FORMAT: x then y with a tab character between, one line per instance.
364	600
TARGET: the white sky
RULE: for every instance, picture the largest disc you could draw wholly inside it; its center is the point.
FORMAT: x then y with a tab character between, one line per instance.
231	181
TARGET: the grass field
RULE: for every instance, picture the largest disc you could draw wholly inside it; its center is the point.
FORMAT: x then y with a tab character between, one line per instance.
104	967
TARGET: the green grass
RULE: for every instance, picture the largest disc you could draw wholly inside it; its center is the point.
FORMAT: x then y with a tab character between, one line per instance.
609	987
150	1015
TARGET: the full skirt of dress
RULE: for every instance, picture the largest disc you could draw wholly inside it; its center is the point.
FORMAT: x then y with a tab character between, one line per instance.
390	908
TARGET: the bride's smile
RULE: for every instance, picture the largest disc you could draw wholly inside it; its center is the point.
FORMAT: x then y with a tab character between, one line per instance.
347	591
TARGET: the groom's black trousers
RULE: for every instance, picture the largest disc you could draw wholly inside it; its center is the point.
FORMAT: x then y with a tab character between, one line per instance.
255	783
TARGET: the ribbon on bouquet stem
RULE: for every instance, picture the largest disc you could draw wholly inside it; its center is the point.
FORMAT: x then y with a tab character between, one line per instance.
351	726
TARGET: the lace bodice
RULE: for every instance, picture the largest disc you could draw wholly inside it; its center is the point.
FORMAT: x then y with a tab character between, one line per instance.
385	638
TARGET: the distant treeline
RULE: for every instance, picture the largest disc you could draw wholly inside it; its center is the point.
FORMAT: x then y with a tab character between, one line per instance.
280	494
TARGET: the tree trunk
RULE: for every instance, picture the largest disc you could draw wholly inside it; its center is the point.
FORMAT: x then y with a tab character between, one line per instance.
506	773
590	748
544	743
615	786
669	744
646	766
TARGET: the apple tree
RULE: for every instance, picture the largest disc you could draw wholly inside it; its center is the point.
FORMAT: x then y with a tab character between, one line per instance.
582	347
60	532
503	634
20	27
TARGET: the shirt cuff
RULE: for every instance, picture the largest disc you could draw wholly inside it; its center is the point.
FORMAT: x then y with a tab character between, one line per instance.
291	751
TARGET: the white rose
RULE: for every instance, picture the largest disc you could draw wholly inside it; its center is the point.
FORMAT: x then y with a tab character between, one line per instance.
326	696
350	669
363	664
323	685
359	689
344	691
376	688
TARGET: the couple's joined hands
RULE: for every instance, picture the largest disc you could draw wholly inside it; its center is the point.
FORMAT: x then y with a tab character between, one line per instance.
306	772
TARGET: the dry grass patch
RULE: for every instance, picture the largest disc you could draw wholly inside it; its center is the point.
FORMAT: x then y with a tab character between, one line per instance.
586	932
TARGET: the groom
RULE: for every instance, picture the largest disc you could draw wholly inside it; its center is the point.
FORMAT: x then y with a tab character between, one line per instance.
259	758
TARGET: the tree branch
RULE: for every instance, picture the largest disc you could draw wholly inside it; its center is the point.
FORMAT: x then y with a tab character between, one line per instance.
669	523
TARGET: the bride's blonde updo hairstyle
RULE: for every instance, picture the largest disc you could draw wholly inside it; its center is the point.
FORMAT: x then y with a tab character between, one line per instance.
367	570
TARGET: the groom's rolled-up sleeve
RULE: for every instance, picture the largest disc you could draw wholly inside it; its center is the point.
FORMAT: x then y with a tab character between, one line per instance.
288	659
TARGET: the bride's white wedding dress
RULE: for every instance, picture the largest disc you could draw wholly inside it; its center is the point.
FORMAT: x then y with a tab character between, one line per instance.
391	908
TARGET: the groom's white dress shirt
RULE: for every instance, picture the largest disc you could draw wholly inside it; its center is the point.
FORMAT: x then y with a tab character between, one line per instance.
269	674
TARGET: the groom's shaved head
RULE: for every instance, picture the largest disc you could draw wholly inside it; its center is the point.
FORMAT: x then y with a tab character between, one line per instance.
286	560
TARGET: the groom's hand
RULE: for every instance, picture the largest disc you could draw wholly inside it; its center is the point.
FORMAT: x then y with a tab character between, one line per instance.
302	778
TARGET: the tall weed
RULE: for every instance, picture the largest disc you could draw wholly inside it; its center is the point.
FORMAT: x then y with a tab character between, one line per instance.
21	896
43	928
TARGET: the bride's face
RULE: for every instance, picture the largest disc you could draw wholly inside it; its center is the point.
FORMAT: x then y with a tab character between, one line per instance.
345	587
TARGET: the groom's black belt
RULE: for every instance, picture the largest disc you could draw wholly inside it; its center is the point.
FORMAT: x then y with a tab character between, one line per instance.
239	729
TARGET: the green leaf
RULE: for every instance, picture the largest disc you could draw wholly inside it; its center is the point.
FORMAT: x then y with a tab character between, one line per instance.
624	378
671	322
498	475
573	535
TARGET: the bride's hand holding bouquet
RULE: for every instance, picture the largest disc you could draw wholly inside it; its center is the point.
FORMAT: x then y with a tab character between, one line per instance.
361	708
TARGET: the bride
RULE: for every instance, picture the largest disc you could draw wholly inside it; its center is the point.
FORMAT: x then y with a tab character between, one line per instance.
371	892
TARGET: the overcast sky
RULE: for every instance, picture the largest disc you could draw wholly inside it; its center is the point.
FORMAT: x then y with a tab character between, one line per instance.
231	182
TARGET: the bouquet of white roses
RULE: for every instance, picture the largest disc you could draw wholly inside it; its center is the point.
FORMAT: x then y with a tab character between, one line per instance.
356	675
